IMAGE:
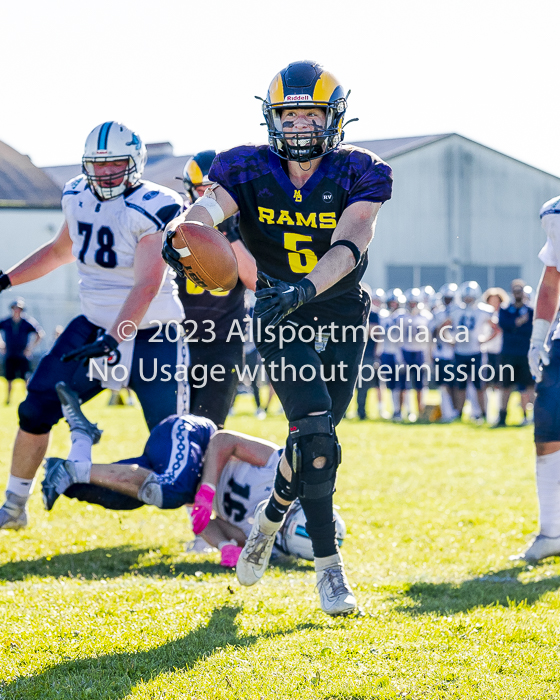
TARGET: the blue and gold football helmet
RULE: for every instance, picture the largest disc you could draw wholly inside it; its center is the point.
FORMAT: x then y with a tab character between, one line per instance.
302	85
196	172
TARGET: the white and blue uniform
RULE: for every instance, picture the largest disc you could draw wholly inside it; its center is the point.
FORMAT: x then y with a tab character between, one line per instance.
105	235
443	352
175	452
416	336
391	355
547	402
241	487
468	322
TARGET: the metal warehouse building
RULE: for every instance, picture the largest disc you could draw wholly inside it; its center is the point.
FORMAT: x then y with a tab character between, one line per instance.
459	211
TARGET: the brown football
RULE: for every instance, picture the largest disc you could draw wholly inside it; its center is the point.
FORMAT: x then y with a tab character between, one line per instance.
206	255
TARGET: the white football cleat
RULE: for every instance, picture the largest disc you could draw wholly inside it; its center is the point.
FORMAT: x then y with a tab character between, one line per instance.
13	514
540	548
255	556
334	590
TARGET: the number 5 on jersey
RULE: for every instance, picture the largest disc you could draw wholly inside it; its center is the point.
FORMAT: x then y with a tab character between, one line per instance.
301	260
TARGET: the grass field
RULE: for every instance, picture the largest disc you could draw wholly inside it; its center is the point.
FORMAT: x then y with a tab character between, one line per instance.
102	605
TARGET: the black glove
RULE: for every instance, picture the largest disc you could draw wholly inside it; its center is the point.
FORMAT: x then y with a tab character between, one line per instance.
4	281
104	345
277	299
171	256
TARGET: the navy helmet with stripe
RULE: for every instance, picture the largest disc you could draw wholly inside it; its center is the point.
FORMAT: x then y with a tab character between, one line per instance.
112	141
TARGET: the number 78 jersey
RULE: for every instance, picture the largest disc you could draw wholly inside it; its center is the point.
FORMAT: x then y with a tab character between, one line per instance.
104	237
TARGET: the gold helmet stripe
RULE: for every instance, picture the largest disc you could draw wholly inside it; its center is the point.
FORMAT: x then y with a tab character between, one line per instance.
324	87
194	172
276	90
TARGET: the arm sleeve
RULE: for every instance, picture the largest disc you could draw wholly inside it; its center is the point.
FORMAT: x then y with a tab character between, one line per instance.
375	185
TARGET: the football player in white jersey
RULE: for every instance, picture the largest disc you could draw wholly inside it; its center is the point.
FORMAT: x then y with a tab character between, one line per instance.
443	353
186	461
544	361
468	323
391	355
415	346
112	229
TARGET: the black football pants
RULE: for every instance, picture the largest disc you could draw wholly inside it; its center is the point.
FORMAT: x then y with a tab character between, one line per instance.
309	380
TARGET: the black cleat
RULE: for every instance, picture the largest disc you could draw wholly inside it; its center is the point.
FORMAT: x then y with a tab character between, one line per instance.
73	413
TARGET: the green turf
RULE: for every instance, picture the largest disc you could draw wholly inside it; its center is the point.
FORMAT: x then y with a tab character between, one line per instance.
95	604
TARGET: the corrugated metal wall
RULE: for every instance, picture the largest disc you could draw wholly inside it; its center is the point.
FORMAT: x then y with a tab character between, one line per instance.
458	204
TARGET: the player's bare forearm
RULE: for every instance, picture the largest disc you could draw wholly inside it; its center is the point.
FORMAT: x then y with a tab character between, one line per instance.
149	273
357	224
246	265
134	309
45	259
548	294
122	478
219	530
226	444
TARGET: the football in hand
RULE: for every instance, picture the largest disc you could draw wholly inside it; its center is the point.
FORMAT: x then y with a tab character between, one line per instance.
206	255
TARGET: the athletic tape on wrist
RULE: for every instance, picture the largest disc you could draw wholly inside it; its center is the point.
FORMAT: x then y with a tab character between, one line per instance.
541	327
212	207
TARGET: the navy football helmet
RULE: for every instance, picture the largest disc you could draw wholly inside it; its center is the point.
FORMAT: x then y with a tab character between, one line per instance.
196	172
302	85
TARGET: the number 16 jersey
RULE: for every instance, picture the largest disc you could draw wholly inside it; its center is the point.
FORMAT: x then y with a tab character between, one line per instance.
105	235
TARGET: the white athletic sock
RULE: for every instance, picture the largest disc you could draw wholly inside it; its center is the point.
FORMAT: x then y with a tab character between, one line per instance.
80	455
447	408
548	490
396	396
81	447
21	487
268	527
322	563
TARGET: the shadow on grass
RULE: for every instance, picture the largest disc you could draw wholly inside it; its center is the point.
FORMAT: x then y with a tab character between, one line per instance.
497	588
117	561
113	676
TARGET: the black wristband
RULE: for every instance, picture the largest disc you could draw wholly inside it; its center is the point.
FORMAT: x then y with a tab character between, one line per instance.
351	246
4	281
309	289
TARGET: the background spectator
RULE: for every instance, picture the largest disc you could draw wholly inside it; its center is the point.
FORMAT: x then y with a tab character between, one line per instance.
516	322
20	336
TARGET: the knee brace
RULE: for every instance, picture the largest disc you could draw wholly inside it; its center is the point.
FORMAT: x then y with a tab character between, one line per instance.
37	416
312	437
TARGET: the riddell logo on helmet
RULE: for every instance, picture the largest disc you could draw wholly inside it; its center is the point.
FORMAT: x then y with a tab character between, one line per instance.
298	98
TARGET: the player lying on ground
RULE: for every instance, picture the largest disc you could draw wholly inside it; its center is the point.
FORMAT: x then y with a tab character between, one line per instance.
186	461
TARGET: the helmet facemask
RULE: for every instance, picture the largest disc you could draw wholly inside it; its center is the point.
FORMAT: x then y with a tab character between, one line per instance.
101	184
303	146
